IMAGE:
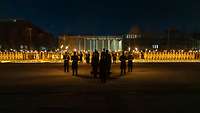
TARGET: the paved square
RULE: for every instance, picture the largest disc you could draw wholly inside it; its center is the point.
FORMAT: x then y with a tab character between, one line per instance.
154	88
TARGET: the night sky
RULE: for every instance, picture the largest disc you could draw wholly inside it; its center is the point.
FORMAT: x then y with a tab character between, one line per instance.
104	16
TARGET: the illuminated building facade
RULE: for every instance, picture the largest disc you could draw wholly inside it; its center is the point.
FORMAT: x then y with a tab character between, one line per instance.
142	41
91	42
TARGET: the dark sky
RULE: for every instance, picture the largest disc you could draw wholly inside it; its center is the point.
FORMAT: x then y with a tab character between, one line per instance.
104	16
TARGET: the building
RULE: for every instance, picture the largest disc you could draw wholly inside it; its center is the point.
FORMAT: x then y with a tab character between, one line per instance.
91	42
141	41
169	39
20	34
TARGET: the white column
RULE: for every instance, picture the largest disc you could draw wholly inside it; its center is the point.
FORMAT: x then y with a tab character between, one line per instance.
97	44
120	45
103	44
94	44
108	44
114	44
79	45
90	44
84	44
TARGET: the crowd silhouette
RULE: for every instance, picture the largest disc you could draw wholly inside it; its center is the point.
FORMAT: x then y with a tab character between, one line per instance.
100	63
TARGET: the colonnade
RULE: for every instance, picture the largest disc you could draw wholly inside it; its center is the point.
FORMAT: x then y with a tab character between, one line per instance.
100	43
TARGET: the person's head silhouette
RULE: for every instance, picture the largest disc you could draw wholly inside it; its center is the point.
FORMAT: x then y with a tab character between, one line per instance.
107	51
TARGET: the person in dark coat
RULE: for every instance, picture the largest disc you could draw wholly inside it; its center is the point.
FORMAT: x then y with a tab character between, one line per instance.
123	63
130	62
75	64
95	63
66	59
142	55
108	62
103	52
88	58
114	56
81	56
102	67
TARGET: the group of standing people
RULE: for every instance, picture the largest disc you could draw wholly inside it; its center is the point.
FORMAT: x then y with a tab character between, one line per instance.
123	58
101	65
74	59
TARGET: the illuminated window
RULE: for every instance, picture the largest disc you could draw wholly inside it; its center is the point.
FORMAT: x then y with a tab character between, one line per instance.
155	46
135	35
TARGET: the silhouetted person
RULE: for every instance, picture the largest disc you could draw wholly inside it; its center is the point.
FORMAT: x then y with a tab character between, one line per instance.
114	56
130	62
108	62
66	59
88	58
95	63
123	63
103	53
142	55
102	67
81	57
75	64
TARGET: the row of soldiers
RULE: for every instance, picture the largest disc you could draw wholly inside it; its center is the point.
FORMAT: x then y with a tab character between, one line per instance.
52	56
171	55
30	56
101	64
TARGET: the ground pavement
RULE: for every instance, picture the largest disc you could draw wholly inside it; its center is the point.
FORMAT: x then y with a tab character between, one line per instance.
150	88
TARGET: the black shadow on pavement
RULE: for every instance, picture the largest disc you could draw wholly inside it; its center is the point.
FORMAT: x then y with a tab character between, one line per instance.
90	76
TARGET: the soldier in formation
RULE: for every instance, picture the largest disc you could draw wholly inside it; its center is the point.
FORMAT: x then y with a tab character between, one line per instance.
123	63
104	65
88	58
114	56
109	62
81	57
66	59
95	63
130	62
75	64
